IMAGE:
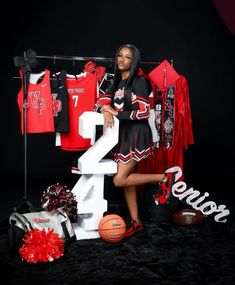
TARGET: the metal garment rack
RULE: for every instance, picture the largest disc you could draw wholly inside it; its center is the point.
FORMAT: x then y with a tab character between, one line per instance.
55	58
87	58
92	58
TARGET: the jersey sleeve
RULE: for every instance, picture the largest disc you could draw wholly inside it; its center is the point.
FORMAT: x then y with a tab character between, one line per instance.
140	98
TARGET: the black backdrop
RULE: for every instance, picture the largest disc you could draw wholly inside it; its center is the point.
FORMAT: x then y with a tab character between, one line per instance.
189	32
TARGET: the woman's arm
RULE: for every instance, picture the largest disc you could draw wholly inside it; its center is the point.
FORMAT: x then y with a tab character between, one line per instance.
105	99
103	105
108	108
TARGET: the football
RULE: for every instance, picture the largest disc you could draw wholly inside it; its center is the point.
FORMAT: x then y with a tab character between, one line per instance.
187	217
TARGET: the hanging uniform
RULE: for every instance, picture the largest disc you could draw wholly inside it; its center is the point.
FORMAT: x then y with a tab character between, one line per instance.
175	137
59	95
82	94
39	114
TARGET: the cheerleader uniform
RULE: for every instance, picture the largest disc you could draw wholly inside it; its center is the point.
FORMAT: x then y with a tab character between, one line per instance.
135	136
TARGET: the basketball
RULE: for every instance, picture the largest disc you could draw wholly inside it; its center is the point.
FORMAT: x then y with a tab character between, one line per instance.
112	228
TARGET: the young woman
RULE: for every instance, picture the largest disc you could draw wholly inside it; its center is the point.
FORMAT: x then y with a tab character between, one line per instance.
128	100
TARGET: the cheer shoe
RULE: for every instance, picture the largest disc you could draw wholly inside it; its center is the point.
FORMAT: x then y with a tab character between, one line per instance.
134	228
166	188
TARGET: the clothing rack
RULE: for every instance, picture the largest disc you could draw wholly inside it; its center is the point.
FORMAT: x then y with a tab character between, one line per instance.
29	60
87	58
92	58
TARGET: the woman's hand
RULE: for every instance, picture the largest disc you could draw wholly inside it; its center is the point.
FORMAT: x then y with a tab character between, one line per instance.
108	113
108	119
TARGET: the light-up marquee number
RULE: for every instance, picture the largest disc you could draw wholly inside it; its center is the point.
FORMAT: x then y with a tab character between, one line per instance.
89	190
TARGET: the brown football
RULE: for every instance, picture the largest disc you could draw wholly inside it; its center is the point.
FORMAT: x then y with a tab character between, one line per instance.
187	217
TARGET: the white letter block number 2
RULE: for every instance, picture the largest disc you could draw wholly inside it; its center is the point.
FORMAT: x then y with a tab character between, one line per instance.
89	190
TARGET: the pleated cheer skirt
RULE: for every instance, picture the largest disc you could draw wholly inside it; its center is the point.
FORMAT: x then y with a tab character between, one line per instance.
135	141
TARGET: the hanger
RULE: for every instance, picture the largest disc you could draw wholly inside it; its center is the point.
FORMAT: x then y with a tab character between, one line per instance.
74	70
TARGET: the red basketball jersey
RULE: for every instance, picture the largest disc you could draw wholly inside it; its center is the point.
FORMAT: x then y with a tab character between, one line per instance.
82	95
39	115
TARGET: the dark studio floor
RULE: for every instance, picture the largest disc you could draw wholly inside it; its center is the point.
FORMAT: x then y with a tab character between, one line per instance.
164	253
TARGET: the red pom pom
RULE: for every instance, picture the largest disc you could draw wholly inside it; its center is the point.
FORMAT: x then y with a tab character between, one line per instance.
41	246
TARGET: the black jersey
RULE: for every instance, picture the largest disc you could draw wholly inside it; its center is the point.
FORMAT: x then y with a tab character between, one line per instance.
60	102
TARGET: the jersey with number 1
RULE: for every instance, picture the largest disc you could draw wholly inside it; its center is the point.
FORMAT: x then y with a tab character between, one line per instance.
82	94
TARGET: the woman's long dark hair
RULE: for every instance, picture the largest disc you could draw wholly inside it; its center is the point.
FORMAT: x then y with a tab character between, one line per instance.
133	72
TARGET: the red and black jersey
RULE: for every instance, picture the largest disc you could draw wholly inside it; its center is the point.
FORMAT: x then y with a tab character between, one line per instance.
82	95
39	112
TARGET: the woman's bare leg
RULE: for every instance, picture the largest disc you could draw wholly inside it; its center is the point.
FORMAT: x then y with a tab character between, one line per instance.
131	200
125	176
127	179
